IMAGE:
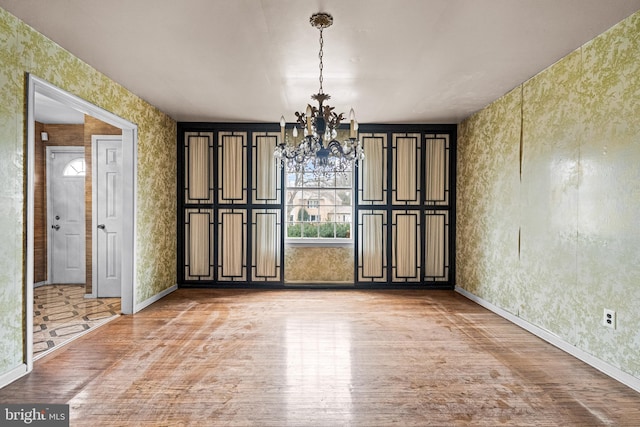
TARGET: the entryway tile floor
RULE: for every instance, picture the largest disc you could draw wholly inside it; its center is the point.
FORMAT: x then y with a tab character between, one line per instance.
62	313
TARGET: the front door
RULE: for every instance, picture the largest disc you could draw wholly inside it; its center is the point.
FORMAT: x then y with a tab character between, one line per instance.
66	214
108	214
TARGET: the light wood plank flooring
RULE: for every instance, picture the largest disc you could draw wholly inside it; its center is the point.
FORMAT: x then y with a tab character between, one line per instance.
321	358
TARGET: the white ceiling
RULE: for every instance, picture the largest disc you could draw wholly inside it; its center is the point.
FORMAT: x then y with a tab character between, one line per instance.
400	61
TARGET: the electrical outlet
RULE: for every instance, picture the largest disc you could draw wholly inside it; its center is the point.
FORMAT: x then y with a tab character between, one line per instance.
609	318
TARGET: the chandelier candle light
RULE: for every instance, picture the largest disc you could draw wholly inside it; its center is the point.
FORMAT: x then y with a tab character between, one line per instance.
319	149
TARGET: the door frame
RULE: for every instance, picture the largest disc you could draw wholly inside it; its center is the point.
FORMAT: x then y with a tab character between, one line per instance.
70	149
94	211
129	192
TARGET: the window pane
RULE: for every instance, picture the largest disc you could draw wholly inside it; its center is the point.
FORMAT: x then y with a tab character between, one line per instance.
329	213
309	230
343	197
303	214
344	180
294	180
293	196
327	181
309	180
75	167
319	205
343	230
294	230
326	230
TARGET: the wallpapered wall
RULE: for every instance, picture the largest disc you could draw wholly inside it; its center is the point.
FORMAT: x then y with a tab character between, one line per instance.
24	50
549	198
319	265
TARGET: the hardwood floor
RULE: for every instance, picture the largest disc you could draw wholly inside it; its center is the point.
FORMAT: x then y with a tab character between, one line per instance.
321	358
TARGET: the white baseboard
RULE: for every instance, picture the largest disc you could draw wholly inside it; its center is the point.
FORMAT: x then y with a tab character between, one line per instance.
12	375
37	285
154	298
604	367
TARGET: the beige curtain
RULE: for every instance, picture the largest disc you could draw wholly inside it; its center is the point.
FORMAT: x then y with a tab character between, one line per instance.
199	244
198	172
232	170
265	170
266	244
435	169
406	174
372	245
232	244
373	170
435	246
405	244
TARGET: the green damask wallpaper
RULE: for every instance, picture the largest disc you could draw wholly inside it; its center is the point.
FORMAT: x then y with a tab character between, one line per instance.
319	264
11	200
23	50
549	198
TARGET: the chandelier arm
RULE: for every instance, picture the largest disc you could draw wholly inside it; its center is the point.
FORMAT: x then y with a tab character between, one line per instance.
301	119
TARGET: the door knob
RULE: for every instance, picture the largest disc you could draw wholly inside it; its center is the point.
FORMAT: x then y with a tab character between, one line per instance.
101	226
56	227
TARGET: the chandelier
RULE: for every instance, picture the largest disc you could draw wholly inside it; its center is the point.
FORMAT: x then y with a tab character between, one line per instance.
318	149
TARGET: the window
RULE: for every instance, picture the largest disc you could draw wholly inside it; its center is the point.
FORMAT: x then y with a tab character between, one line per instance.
75	167
319	206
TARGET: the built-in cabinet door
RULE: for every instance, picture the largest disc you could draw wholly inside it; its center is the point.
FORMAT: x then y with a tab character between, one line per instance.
266	229
436	224
232	209
406	169
199	263
372	246
372	223
232	168
406	191
372	172
266	209
266	183
404	209
198	168
437	201
198	193
437	163
406	244
232	245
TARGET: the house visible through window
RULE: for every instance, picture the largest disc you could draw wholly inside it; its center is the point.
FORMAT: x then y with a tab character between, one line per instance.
319	206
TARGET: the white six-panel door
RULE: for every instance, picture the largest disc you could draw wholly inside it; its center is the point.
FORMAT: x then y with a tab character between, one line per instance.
107	176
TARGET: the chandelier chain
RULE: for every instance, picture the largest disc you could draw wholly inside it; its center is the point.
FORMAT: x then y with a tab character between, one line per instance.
318	151
320	55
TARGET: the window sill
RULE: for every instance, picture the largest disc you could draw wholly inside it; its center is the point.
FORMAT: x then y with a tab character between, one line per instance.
324	243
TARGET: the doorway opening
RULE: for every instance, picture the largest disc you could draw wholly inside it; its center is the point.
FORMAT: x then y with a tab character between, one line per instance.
61	313
71	251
